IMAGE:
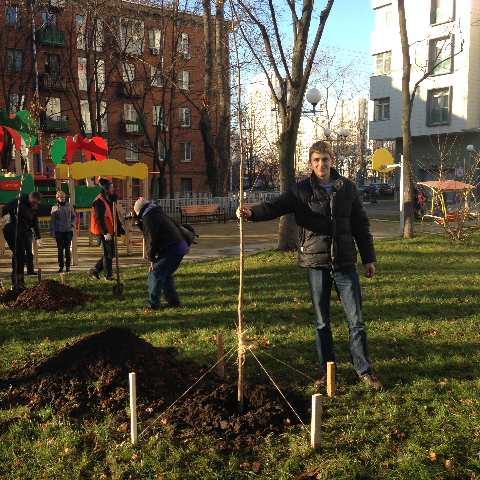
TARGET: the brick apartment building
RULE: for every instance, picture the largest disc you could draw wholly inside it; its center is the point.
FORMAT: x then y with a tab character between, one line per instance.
130	72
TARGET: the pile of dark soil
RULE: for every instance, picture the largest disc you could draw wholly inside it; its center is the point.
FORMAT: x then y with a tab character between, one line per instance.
91	376
48	295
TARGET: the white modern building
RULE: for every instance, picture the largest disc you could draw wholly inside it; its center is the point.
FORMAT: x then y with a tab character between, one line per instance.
444	39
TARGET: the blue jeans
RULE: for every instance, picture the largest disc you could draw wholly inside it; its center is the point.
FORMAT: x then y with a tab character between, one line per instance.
105	263
161	279
348	286
63	239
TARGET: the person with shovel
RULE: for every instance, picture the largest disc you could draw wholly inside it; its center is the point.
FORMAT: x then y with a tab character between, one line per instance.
165	247
21	218
329	210
102	226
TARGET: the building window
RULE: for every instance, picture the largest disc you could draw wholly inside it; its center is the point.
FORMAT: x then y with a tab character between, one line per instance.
383	16
52	63
161	150
85	111
128	72
185	187
82	73
185	152
183	80
136	187
382	63
49	20
53	108
182	45
100	75
381	109
442	11
157	115
98	40
439	101
16	103
14	60
184	117
81	27
155	40
103	117
441	53
129	113
132	36
131	150
12	16
156	76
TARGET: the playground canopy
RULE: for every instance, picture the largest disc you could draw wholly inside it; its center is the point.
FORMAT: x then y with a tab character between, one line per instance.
447	185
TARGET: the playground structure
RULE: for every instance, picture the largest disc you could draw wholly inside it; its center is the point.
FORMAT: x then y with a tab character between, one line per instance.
451	205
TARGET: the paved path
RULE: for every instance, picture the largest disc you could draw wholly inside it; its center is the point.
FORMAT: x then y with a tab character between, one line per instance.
216	240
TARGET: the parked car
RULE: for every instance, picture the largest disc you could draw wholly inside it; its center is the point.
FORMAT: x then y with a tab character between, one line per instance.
368	190
384	189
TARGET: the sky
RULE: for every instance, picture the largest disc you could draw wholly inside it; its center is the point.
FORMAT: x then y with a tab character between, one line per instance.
348	28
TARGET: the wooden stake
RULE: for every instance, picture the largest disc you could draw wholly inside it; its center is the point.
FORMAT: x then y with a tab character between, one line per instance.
316	426
330	379
64	278
39	275
133	407
220	369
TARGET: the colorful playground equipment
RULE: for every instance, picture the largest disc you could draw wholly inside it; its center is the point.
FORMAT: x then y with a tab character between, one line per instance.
452	205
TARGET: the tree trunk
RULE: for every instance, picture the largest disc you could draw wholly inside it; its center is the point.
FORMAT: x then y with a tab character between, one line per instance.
407	103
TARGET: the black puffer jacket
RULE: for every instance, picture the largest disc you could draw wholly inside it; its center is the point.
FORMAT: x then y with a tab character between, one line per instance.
330	225
27	216
160	232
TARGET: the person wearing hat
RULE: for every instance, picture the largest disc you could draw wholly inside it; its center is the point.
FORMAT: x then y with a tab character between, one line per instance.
62	224
165	247
102	227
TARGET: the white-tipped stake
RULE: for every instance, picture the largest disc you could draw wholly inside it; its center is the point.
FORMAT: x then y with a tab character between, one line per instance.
316	427
220	369
330	378
133	407
64	278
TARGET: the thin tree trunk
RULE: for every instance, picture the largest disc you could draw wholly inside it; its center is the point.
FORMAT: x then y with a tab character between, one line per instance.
407	101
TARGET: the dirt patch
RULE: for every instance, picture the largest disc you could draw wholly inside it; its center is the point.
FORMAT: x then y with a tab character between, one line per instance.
90	376
49	296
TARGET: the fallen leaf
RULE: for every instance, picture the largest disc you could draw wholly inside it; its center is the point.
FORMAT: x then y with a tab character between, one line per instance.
135	457
286	422
342	389
448	464
256	467
69	450
97	449
122	428
433	457
245	466
204	452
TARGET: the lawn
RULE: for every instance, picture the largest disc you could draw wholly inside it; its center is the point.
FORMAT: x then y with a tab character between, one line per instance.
422	314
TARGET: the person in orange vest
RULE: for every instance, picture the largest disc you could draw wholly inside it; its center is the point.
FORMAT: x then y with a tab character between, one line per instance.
102	227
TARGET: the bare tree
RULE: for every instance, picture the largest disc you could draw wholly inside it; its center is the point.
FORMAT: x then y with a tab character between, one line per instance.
408	96
291	70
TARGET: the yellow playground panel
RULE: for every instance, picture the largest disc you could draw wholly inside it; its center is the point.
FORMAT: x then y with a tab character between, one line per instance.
452	205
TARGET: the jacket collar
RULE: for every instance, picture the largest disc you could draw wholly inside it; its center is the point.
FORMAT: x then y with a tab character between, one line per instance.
335	176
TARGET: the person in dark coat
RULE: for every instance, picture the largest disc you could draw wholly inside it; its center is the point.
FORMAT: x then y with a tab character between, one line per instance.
27	221
165	247
329	210
102	227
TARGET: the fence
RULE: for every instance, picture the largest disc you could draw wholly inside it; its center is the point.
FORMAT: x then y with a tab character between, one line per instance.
228	204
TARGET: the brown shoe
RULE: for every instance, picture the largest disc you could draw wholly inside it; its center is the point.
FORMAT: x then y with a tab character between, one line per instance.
322	381
94	274
371	381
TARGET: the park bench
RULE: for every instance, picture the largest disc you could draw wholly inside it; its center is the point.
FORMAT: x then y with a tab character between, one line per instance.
212	210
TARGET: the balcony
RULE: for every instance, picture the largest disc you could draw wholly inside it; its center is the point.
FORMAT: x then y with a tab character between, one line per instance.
48	36
58	123
53	82
132	128
132	89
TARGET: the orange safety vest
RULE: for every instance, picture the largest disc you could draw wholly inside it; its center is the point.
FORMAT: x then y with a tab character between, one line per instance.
94	226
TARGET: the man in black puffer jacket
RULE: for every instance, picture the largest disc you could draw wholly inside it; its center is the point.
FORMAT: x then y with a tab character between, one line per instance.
329	210
165	247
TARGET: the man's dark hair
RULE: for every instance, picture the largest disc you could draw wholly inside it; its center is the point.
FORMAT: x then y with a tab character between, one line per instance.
36	196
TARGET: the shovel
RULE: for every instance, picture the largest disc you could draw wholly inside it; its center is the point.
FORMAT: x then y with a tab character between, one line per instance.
118	288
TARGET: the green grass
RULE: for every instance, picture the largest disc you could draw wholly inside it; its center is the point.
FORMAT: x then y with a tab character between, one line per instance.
422	314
